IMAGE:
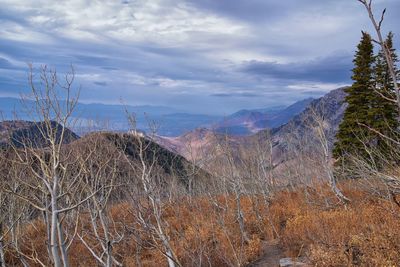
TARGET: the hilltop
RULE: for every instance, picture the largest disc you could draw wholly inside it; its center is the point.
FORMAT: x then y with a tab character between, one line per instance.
19	132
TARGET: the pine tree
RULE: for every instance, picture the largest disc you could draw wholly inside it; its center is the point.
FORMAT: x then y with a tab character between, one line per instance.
384	110
352	135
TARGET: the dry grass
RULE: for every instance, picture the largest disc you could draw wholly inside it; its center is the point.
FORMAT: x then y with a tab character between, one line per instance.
204	232
365	232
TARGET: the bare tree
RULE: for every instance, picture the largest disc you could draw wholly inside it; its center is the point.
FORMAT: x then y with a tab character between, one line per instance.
3	232
377	24
15	212
235	184
320	127
149	204
257	158
55	190
100	163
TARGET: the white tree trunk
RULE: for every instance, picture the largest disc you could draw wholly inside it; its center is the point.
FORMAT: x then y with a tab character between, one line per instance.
171	263
2	258
109	254
62	244
54	222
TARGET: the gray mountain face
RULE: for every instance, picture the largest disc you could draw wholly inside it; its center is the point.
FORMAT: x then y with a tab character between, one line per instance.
330	108
281	117
247	122
299	132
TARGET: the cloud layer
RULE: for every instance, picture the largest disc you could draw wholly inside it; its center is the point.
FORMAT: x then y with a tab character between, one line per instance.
209	56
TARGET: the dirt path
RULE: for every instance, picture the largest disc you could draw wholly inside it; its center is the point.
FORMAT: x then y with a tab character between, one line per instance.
272	253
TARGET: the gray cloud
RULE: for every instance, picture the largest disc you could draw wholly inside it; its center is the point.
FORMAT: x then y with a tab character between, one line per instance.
5	64
236	95
220	54
100	83
250	10
336	68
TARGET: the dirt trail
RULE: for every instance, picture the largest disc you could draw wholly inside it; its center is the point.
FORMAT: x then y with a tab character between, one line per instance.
272	253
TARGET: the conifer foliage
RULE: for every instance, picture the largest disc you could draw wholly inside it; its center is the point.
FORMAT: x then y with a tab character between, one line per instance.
359	97
372	112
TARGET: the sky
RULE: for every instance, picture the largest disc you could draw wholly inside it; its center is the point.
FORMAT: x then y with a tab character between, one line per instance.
199	56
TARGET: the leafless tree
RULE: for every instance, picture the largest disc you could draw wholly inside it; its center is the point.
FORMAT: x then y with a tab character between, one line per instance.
378	172
149	205
377	24
2	221
235	184
100	162
55	190
320	127
15	212
258	163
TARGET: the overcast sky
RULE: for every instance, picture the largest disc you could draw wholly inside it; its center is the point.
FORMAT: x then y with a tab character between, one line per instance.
204	56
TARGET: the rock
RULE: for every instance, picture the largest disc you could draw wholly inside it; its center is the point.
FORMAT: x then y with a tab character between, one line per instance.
288	262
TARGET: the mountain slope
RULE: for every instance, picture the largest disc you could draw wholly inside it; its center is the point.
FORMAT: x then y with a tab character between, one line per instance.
330	107
239	123
201	146
247	122
168	167
284	116
180	123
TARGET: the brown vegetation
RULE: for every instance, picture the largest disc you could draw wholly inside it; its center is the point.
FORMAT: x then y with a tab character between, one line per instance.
204	231
363	233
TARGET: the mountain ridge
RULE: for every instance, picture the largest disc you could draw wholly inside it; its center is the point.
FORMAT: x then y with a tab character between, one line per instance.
201	142
251	121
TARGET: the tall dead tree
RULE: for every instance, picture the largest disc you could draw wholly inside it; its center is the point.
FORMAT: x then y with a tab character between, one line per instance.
100	162
55	190
149	200
377	24
320	127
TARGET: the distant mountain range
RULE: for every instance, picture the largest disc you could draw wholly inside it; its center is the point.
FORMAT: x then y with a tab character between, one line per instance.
201	144
165	121
246	122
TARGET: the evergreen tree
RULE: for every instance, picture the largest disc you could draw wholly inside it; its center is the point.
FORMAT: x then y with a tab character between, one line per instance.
352	136
384	110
